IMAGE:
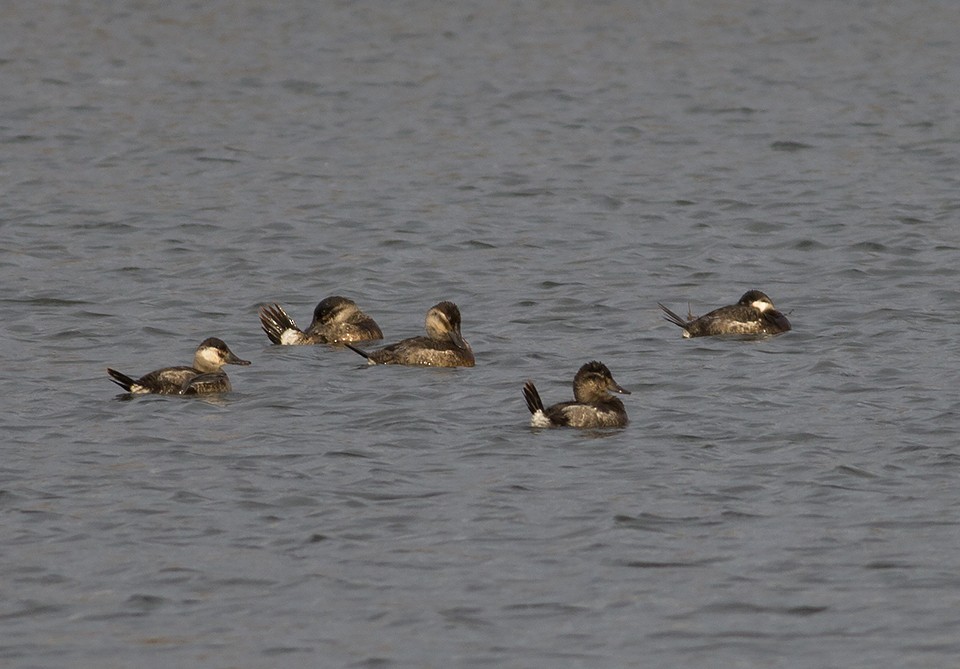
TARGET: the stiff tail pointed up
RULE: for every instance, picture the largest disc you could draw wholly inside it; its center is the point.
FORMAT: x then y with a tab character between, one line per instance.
275	321
121	379
673	317
677	320
530	394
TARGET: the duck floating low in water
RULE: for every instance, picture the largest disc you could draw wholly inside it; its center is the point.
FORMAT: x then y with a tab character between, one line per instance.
593	405
752	316
335	320
206	376
443	346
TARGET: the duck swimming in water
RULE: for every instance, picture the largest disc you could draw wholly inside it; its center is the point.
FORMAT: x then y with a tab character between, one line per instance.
753	315
593	405
335	320
204	377
443	346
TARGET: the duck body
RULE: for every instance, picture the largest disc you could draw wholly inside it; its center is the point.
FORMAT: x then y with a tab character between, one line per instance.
443	346
752	316
421	351
336	320
593	405
206	376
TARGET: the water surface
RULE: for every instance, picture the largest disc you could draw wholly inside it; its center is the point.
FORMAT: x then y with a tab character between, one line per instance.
556	171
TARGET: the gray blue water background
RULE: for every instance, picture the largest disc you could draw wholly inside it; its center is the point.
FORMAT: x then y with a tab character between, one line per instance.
556	169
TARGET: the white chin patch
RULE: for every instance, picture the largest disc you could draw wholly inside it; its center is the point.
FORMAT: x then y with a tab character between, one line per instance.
540	419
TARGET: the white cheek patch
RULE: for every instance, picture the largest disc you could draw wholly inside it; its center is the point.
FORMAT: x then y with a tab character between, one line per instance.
762	305
211	357
437	323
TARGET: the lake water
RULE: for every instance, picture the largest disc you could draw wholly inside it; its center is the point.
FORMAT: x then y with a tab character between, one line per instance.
556	169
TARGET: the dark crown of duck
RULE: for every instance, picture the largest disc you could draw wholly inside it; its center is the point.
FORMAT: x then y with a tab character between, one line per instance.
753	297
443	322
593	380
333	308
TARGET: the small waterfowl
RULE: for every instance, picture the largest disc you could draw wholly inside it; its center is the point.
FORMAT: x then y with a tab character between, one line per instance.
206	376
593	405
335	320
753	316
443	346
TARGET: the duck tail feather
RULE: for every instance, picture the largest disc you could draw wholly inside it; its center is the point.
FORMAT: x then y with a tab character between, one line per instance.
275	321
121	379
672	317
357	350
530	394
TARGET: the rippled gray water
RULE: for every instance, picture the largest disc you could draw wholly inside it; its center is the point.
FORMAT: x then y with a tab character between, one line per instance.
556	169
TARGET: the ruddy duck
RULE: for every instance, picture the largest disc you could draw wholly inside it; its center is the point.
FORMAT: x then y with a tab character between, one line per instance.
594	406
443	346
754	315
206	375
335	320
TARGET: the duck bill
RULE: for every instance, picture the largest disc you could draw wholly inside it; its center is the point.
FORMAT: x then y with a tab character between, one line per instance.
234	360
617	388
458	340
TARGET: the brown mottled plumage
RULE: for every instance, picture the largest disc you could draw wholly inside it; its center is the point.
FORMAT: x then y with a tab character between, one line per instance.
335	320
752	316
204	377
593	405
443	346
